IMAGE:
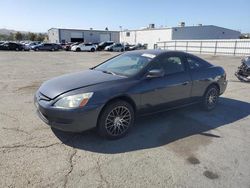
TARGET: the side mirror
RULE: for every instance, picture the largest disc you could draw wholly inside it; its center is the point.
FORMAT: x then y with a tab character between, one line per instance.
155	73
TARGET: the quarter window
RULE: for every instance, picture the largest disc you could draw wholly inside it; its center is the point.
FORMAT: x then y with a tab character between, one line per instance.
195	63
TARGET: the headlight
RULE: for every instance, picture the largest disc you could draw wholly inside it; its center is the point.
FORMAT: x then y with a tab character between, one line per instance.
74	101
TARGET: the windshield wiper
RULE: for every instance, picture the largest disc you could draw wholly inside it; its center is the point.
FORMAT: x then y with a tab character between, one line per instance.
108	72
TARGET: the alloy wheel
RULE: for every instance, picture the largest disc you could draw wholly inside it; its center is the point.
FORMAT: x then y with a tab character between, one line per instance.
212	97
118	121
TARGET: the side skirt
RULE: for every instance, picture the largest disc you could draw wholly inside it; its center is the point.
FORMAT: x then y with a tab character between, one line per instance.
168	109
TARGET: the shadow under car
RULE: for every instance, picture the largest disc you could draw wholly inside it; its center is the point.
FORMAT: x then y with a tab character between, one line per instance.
162	128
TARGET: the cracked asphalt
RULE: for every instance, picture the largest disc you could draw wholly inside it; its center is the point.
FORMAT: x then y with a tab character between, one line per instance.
181	148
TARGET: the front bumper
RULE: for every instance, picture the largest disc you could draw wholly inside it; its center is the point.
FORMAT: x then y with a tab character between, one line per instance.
223	86
70	120
241	77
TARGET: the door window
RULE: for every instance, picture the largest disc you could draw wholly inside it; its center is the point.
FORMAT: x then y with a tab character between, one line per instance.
172	64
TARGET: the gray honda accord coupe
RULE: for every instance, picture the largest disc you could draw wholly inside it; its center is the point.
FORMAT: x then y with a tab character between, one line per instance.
110	95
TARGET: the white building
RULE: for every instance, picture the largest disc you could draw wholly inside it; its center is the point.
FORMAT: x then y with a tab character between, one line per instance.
57	35
151	35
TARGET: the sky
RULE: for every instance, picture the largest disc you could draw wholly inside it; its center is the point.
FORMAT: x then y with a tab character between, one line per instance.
41	15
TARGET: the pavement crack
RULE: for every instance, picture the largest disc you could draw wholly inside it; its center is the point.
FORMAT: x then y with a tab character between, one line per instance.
103	179
20	145
16	130
71	167
29	146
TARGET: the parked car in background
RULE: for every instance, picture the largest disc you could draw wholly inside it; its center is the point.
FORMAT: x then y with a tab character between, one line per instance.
31	44
84	47
126	46
115	47
102	45
46	47
67	46
110	95
26	47
138	47
12	46
59	47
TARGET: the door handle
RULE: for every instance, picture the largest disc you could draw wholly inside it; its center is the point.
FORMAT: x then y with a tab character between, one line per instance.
185	83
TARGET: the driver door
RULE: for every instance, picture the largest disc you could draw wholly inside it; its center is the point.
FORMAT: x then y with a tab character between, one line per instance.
172	89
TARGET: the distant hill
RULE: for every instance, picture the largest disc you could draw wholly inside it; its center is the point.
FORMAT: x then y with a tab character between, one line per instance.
4	31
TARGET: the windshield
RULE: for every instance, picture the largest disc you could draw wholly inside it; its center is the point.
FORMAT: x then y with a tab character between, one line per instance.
125	64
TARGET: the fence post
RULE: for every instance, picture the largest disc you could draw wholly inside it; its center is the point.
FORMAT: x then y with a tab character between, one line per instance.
174	45
201	47
187	46
215	50
235	45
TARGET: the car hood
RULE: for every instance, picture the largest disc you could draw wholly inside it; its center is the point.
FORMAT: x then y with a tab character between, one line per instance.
62	84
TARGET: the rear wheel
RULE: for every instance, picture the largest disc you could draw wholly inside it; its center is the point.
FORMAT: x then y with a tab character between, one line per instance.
92	49
116	120
210	98
78	49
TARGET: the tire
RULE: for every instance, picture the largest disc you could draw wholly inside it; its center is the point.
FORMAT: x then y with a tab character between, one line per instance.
92	49
52	49
122	50
17	49
78	49
210	98
115	120
36	49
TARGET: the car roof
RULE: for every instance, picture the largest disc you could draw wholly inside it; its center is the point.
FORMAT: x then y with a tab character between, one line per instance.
155	52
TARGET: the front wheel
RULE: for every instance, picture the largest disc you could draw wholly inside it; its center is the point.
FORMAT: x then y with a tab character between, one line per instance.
116	120
210	98
92	49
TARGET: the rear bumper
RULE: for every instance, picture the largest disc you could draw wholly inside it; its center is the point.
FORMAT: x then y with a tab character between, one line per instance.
70	120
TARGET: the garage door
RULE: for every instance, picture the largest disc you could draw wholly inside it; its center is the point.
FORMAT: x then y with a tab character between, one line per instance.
77	39
76	35
104	37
